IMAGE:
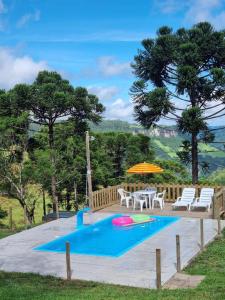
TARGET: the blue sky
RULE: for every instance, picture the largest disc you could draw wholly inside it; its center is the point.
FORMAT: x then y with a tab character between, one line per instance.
91	43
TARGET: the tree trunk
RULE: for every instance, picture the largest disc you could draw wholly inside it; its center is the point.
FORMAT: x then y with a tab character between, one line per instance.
68	206
194	156
53	179
29	214
44	202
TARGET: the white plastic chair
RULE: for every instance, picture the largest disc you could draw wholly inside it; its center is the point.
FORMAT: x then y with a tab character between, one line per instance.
187	198
205	199
159	198
124	197
141	200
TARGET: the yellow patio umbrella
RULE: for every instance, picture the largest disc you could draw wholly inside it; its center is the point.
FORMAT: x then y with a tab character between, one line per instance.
144	168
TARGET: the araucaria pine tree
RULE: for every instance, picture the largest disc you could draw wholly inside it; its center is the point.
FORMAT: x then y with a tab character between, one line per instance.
181	78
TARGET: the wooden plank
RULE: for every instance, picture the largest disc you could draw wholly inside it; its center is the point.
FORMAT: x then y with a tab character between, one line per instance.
201	235
68	263
178	253
158	269
219	226
169	194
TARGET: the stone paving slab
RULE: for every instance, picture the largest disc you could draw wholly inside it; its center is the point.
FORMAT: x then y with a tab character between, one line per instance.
183	281
135	268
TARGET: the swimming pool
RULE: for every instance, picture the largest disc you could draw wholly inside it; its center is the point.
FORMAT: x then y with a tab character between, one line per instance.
104	239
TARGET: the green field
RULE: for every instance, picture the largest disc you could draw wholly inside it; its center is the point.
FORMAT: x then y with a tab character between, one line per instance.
210	263
18	213
169	147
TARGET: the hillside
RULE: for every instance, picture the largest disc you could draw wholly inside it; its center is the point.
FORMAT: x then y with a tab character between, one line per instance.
166	141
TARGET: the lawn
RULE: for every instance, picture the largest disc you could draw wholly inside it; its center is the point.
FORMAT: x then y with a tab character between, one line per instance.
5	233
210	263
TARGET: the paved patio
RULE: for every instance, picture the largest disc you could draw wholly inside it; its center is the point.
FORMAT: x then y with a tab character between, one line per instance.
135	268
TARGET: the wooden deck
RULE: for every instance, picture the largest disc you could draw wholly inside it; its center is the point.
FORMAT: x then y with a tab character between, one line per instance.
107	199
167	211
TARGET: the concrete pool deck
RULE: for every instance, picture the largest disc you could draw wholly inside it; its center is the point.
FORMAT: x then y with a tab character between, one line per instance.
135	268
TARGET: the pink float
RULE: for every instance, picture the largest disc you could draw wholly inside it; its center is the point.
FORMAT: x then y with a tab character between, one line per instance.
122	221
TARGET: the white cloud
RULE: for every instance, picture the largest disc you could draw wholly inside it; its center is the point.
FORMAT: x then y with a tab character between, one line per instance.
17	69
108	66
3	23
99	36
206	10
29	17
197	10
169	6
2	7
120	109
103	93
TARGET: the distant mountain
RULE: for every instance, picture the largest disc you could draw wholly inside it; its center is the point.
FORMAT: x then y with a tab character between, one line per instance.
122	126
166	141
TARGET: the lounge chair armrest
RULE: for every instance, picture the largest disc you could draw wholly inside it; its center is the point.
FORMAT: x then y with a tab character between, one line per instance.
179	198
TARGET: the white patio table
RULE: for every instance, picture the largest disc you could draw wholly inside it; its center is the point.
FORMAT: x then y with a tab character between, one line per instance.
150	194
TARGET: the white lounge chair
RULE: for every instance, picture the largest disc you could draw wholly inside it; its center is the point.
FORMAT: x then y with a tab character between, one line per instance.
159	198
124	197
141	200
187	198
205	199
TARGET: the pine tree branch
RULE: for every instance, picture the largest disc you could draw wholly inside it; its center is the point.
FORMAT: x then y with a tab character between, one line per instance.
169	118
214	129
212	107
212	116
174	95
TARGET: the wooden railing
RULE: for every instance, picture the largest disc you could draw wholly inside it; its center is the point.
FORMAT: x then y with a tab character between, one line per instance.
219	203
109	196
173	191
105	197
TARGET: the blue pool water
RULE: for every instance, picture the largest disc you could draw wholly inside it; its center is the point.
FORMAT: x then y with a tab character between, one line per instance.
105	239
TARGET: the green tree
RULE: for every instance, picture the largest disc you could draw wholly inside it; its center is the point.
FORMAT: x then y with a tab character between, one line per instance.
123	150
184	71
14	132
51	98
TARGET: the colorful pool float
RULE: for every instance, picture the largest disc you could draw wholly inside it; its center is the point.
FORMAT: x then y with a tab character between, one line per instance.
131	220
122	221
140	218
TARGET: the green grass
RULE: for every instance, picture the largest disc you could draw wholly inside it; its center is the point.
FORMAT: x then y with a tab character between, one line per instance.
18	213
168	150
210	263
170	146
5	233
206	149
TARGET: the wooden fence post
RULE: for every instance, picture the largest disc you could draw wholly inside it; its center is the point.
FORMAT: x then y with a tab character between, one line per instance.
178	253
68	264
25	216
219	226
158	268
201	235
10	219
